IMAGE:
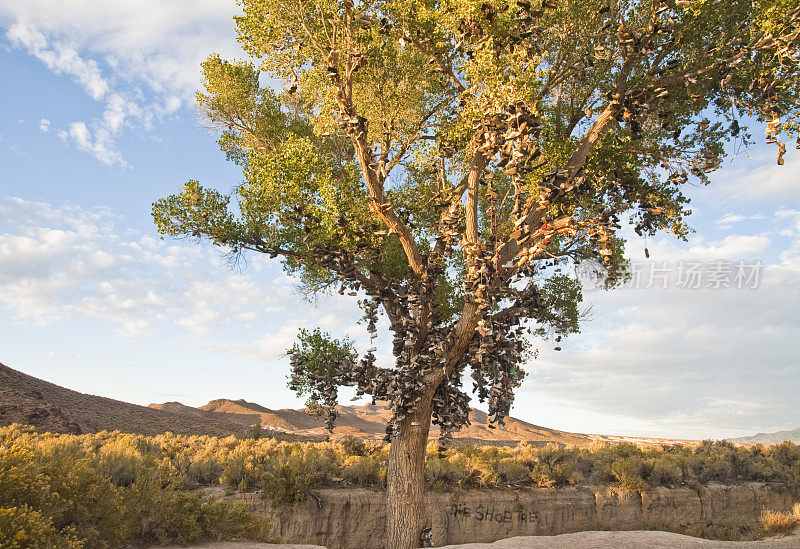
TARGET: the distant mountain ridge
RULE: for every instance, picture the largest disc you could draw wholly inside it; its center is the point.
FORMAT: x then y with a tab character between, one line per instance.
369	420
771	438
48	407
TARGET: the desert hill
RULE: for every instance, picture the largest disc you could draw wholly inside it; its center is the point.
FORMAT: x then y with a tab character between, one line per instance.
369	421
771	438
49	407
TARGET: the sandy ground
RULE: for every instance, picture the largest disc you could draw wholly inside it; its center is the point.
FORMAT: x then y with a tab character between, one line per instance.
579	540
630	540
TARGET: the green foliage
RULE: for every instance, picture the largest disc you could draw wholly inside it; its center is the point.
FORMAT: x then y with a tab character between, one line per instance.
317	361
239	472
366	470
286	483
155	515
630	472
402	66
293	469
563	297
320	357
198	211
205	472
553	466
444	472
236	101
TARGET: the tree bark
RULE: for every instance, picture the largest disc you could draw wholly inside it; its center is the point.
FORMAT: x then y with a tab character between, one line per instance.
406	479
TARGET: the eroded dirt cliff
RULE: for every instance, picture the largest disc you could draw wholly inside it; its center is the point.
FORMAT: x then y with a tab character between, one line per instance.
356	518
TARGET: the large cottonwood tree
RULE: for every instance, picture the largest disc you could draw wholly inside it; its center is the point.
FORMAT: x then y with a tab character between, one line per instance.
440	158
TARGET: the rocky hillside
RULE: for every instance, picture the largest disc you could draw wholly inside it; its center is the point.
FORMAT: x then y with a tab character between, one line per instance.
48	407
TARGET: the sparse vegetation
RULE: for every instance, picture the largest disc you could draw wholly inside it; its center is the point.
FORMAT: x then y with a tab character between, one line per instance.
108	489
105	489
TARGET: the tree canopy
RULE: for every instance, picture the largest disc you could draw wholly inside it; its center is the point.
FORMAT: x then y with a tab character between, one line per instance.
439	159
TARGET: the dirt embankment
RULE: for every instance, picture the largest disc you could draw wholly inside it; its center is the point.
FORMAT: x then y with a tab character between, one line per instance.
356	518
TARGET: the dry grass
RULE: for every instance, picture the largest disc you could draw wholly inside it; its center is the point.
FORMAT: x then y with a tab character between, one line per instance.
776	522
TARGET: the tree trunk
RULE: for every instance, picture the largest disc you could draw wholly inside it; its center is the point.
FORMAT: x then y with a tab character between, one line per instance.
406	480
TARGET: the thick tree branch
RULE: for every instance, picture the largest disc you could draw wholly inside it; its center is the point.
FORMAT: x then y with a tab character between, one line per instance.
473	177
378	202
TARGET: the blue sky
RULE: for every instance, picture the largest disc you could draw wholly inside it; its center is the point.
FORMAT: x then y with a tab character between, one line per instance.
98	121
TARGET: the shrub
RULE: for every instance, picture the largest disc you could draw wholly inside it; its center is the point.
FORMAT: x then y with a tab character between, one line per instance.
118	466
67	491
353	446
364	470
24	528
203	473
239	473
293	469
61	482
227	520
23	484
629	472
555	466
664	471
776	522
108	489
286	484
442	472
512	471
256	431
163	516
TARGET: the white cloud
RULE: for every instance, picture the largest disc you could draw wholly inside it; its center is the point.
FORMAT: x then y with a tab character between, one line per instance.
140	60
730	218
67	262
269	347
44	125
758	178
793	217
63	59
688	361
59	58
100	145
59	262
729	248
